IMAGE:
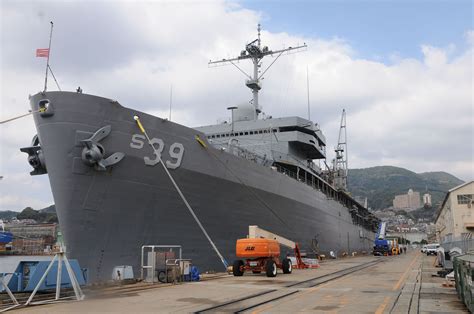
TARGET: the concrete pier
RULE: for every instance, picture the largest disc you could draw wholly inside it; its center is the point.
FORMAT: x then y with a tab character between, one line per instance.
366	284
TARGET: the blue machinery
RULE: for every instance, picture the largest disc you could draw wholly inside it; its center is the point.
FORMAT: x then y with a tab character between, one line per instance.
45	275
381	245
28	274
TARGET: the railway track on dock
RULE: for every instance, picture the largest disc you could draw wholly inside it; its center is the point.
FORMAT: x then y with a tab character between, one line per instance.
253	301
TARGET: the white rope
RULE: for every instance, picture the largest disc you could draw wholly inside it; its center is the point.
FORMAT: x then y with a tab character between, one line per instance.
224	262
18	117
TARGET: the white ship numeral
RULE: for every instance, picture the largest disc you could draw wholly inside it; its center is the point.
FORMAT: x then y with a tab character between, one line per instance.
158	146
176	151
178	155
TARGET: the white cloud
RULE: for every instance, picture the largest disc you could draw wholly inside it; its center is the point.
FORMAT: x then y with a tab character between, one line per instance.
17	202
412	113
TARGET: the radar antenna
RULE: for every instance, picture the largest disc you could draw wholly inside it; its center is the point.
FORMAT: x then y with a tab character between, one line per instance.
340	161
256	53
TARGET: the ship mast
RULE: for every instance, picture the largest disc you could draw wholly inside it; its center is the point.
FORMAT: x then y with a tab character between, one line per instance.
256	53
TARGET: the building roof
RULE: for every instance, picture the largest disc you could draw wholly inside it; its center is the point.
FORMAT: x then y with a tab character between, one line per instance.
447	196
460	186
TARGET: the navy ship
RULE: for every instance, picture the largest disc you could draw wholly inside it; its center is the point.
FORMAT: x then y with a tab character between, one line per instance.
121	179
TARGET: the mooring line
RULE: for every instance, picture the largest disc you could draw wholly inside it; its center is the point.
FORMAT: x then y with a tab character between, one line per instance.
18	117
224	262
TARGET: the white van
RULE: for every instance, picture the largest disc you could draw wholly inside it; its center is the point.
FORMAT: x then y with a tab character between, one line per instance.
432	248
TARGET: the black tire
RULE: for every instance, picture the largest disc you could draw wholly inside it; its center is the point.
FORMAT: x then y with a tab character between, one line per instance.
271	268
256	271
162	277
237	268
286	265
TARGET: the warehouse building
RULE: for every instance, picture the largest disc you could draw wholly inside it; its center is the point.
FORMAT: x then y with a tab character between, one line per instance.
455	218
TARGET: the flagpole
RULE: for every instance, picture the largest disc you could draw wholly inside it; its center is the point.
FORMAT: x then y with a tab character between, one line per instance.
47	61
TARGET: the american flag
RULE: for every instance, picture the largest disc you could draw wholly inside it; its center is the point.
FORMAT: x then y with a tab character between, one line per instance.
42	52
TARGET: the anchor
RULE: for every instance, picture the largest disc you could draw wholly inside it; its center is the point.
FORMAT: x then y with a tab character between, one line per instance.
93	153
35	157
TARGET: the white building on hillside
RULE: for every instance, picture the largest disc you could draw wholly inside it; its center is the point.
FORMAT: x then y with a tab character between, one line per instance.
408	201
427	199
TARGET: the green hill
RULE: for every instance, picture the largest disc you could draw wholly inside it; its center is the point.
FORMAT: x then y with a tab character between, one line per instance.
7	214
381	184
47	214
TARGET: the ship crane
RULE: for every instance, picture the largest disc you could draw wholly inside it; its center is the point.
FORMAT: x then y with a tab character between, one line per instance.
340	161
256	53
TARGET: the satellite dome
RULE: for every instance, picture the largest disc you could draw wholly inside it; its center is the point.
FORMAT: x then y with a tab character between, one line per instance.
244	112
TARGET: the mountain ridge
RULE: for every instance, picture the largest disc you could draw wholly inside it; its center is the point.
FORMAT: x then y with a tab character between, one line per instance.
381	184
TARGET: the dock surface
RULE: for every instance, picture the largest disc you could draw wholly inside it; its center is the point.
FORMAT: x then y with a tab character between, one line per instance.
366	284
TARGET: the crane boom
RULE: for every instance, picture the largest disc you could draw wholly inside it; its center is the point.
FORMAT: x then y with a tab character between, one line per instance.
256	232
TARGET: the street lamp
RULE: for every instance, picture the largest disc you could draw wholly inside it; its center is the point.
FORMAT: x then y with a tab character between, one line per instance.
232	110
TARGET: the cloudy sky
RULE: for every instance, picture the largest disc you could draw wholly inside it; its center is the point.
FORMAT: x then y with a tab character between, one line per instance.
403	70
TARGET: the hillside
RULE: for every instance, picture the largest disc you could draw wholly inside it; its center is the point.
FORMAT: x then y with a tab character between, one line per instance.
381	184
47	214
7	214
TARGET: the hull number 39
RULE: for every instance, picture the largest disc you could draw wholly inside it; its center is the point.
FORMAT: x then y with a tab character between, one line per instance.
176	151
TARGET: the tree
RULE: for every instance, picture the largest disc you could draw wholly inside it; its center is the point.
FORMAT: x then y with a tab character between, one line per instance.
28	213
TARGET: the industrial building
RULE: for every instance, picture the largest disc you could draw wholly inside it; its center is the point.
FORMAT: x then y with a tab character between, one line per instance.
33	238
455	218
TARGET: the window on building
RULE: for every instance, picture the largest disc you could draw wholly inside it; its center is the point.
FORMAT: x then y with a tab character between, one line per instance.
246	133
465	198
241	133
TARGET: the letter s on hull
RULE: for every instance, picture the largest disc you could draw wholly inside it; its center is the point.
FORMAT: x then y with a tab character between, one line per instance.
137	141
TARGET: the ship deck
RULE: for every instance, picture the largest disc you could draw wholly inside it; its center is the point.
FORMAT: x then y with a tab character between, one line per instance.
398	284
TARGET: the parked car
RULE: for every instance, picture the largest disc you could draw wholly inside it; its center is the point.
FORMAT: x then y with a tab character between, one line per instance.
432	249
423	249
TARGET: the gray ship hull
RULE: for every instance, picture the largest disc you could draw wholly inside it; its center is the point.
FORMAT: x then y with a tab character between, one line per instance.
106	216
